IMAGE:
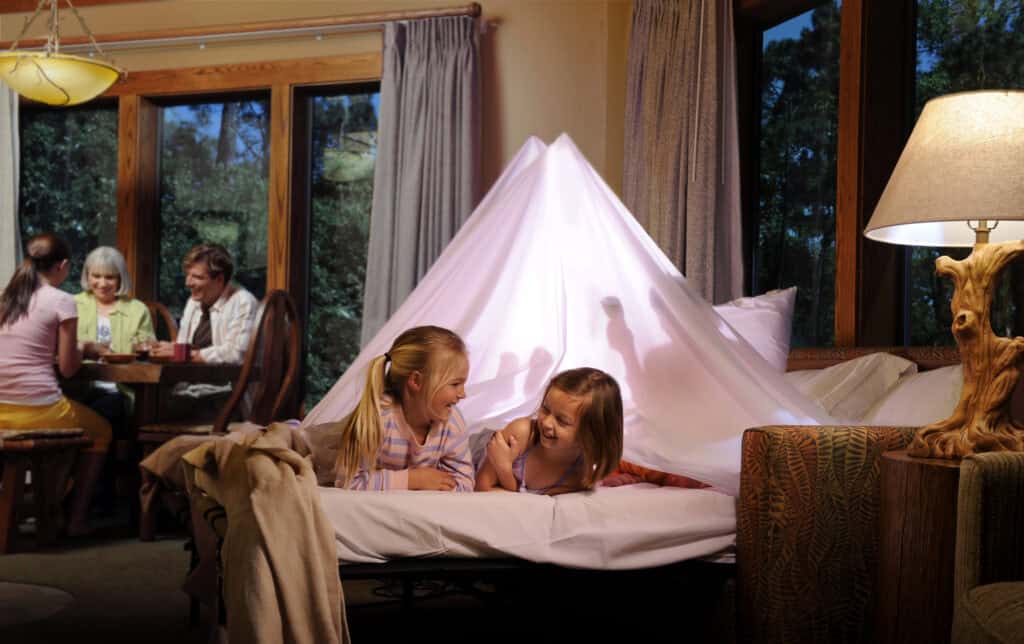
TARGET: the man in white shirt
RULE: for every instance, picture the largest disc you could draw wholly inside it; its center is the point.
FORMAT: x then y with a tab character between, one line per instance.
219	315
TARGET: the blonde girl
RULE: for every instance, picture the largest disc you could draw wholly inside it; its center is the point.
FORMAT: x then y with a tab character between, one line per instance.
38	327
574	441
405	433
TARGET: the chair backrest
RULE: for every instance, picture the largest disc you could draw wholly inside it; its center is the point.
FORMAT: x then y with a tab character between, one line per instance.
270	372
163	322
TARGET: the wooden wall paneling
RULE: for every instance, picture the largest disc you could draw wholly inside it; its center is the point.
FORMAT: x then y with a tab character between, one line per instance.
875	86
137	190
279	244
243	76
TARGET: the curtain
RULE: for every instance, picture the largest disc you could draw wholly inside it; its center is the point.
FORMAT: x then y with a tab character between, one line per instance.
426	178
681	177
10	235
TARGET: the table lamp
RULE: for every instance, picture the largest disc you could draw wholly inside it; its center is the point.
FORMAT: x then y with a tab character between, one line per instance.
960	182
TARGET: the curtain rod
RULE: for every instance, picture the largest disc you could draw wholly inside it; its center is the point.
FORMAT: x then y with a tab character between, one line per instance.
252	30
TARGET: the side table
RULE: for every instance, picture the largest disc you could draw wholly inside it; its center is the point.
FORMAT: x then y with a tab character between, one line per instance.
917	544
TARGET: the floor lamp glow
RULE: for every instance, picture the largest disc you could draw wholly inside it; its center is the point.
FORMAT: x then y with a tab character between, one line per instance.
960	182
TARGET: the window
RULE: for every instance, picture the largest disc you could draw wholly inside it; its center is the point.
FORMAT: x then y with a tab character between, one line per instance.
963	46
68	178
343	151
796	192
214	165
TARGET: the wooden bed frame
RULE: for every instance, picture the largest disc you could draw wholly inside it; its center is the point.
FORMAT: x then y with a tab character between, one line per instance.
724	594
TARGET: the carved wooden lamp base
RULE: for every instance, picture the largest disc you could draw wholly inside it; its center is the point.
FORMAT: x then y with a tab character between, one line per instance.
982	421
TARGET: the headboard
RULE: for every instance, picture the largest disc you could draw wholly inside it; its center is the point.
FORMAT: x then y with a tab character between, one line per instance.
821	357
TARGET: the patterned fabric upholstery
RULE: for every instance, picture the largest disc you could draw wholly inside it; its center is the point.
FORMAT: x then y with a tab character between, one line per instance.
989	581
807	532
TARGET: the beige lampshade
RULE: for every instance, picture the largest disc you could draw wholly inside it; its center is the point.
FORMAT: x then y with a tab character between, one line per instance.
964	162
56	79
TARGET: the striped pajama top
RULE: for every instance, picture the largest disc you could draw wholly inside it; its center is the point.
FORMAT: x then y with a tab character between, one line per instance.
446	448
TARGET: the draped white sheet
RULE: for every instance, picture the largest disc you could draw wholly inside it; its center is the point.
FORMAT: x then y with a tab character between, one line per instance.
552	272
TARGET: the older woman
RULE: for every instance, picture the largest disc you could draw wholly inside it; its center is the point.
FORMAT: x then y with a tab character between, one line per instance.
108	319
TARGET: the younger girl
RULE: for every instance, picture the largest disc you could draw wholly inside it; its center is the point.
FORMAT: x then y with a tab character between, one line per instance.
574	442
39	323
405	433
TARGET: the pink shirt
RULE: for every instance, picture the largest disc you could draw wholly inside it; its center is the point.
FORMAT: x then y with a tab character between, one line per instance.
28	348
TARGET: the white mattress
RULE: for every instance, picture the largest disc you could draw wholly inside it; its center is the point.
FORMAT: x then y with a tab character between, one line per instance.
634	526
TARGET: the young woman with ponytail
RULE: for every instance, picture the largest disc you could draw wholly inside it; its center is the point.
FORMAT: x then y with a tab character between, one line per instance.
405	433
38	325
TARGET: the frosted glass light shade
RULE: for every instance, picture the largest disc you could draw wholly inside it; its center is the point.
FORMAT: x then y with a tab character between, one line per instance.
964	162
56	79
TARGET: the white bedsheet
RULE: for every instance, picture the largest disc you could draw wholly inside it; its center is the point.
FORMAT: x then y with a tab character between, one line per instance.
634	526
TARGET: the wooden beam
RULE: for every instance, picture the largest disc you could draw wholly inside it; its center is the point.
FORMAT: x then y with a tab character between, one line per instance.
244	76
875	88
279	246
137	195
848	197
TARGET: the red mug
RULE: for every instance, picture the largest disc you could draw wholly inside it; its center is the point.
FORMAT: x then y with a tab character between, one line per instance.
181	352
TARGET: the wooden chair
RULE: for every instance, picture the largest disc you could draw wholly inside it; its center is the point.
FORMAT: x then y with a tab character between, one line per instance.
268	382
49	456
163	321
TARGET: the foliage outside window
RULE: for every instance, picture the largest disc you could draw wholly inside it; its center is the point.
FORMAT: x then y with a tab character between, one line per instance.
963	45
214	169
68	179
796	198
344	150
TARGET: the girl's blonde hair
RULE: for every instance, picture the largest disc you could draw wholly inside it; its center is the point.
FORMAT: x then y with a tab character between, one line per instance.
431	350
599	419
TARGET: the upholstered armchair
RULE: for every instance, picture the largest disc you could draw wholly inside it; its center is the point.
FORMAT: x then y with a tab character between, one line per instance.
989	582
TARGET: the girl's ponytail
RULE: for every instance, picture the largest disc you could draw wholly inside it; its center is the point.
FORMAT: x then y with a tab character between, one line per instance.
362	430
43	252
427	349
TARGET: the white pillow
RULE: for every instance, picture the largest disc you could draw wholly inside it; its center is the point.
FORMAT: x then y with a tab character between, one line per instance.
764	321
919	399
849	389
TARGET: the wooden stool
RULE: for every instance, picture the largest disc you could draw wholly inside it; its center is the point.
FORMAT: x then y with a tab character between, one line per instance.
50	460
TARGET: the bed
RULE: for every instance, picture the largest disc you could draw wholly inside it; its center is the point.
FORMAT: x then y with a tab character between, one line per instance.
789	493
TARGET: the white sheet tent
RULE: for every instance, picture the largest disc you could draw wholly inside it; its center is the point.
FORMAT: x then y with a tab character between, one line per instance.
552	272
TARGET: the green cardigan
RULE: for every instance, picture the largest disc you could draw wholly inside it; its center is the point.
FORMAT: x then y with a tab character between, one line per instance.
129	322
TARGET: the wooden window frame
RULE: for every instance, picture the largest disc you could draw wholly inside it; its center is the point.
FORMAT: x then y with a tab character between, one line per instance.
876	86
139	97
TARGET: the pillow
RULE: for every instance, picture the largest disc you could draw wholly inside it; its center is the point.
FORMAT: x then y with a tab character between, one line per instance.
919	399
849	389
764	321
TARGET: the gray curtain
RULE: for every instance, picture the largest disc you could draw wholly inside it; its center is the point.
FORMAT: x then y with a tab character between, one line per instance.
681	170
426	179
10	234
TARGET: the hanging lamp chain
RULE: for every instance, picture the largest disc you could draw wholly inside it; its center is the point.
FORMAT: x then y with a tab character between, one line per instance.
53	37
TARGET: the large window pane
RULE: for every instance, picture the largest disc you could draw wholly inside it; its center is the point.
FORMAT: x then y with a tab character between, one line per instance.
68	180
214	160
963	45
797	158
344	149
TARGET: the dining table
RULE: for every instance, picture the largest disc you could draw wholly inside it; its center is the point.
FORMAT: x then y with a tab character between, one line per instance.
148	378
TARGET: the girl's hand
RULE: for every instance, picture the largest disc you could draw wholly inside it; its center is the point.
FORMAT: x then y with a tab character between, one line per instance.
615	479
502	451
428	478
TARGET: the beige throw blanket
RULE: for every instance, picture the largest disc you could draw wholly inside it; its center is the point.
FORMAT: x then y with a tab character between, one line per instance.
280	564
